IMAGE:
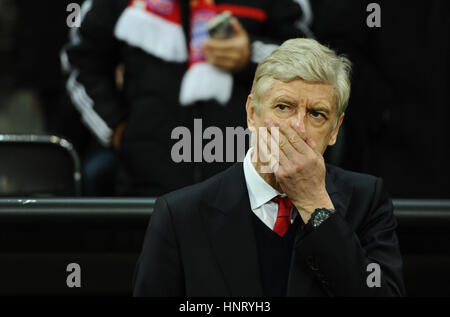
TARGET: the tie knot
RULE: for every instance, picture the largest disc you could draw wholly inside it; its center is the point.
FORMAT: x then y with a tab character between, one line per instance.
284	204
283	221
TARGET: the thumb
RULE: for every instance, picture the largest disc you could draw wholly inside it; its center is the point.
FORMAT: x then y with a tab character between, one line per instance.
237	26
312	144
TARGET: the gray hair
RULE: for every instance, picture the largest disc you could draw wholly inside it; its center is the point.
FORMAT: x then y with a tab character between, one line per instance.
308	60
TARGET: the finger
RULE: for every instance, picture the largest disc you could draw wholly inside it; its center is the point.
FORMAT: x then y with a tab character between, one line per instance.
225	65
283	141
270	153
225	54
220	44
279	155
268	164
221	62
264	140
293	137
269	142
263	150
230	60
313	145
300	129
210	58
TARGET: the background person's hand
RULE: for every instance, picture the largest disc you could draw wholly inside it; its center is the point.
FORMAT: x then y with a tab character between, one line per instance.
117	137
301	169
230	55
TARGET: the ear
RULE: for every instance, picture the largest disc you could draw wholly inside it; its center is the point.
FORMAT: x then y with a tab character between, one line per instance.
335	131
250	108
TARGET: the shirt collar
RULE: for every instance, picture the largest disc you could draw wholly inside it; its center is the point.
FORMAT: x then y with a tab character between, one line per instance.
259	191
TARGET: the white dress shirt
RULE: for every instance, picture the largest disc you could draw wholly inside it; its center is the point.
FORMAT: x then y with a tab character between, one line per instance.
261	194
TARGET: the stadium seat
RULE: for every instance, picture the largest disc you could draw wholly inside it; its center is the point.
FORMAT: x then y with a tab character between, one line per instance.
38	166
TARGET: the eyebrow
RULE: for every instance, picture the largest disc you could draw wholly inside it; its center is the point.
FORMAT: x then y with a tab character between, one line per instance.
319	106
286	100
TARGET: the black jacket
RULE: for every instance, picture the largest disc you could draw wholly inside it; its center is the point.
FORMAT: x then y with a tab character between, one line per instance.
148	102
200	242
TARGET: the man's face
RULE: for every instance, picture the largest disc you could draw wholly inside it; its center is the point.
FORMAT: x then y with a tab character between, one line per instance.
310	105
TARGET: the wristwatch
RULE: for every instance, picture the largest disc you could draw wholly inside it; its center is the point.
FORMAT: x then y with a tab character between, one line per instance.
319	216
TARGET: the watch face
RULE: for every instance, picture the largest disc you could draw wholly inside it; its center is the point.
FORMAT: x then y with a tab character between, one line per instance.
320	215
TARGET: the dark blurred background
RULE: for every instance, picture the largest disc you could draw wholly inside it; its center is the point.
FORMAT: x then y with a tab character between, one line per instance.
396	125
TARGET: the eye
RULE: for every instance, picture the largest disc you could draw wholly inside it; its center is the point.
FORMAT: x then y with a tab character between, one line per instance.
318	116
282	107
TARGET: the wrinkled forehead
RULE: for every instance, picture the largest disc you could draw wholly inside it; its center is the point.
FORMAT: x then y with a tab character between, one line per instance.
298	92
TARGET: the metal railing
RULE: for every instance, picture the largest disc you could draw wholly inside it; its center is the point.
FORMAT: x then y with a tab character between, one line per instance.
136	211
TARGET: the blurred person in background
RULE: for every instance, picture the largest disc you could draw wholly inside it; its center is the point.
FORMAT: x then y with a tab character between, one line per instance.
172	73
41	32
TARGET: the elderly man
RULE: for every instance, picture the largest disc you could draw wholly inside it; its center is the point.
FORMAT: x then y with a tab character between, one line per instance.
282	223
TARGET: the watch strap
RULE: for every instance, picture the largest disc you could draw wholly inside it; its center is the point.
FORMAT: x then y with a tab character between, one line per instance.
319	216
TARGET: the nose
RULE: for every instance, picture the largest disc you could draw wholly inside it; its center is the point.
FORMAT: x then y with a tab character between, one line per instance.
299	123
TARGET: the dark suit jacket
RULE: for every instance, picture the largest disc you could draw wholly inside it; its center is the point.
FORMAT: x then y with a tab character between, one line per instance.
200	242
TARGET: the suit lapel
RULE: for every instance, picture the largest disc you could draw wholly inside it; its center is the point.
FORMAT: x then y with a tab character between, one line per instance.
228	221
301	280
339	192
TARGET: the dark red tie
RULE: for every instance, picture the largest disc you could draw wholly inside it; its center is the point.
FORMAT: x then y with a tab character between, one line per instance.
284	215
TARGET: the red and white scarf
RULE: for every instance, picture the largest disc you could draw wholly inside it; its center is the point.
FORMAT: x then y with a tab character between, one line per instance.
155	26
